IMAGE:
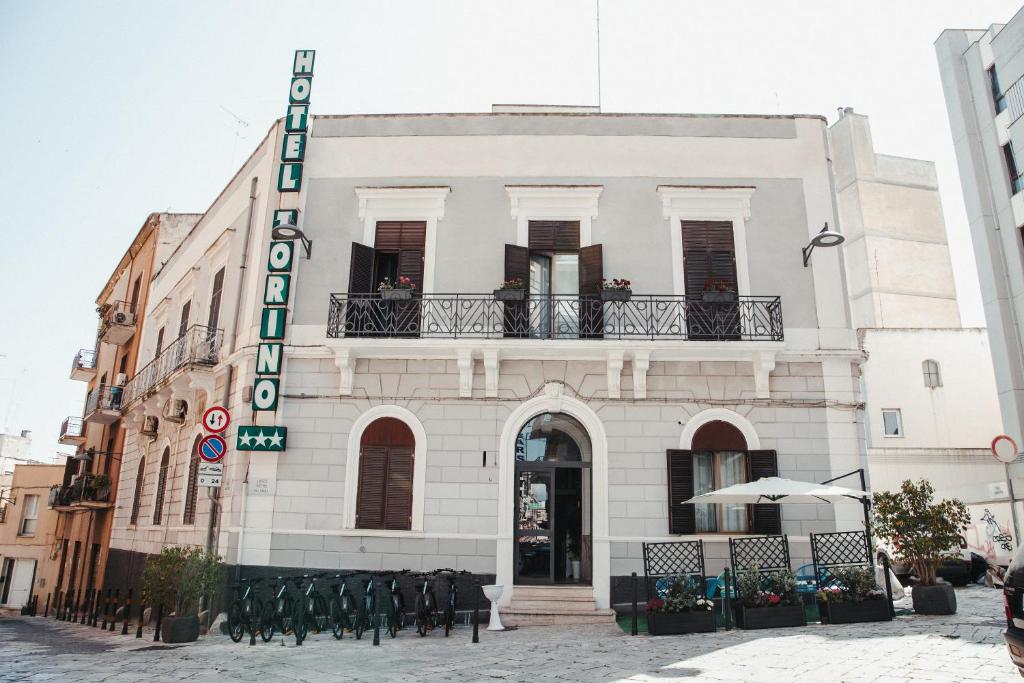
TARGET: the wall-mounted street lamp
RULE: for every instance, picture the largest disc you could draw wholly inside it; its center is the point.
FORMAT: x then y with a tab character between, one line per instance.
289	233
825	238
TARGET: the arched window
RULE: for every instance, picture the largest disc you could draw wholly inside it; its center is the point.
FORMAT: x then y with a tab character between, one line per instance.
140	478
386	454
932	377
161	486
719	460
192	489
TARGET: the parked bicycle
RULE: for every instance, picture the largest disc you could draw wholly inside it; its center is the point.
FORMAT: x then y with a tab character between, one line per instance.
314	607
426	605
451	603
245	610
396	605
278	614
342	609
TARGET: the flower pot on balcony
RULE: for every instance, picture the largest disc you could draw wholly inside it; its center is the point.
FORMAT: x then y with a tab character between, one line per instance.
672	623
179	629
854	612
780	616
396	294
616	294
719	297
510	295
937	599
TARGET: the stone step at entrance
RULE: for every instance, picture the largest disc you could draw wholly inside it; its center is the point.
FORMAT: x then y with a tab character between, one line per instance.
554	605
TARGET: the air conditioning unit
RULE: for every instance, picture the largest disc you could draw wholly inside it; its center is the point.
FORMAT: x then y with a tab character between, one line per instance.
120	379
123	318
150	424
177	411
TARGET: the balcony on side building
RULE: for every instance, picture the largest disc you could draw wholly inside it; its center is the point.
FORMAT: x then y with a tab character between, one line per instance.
83	367
488	316
72	432
197	350
117	323
103	405
89	492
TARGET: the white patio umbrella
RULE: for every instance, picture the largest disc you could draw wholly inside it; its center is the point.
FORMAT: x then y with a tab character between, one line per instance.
779	490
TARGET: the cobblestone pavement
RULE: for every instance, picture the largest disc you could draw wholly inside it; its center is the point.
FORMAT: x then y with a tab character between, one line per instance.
965	647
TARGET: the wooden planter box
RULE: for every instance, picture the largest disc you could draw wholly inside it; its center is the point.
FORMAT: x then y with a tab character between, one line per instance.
673	623
509	294
719	297
854	612
616	294
396	294
770	617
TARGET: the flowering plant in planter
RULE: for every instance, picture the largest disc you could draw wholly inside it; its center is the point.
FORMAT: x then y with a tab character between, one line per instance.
616	284
718	285
777	589
514	283
852	584
402	283
681	596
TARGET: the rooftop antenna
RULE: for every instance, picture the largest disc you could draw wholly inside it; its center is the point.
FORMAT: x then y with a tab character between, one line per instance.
598	4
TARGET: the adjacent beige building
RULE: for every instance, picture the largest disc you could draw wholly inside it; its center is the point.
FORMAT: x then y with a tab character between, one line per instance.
28	535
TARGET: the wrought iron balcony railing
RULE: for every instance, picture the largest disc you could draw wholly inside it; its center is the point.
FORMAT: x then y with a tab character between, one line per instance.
482	316
89	488
103	398
84	363
72	428
60	496
199	346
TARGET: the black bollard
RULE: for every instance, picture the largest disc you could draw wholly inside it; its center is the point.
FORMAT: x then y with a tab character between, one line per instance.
97	601
106	610
888	585
376	616
477	592
142	611
127	613
159	618
73	617
634	630
113	609
56	603
87	608
46	610
727	600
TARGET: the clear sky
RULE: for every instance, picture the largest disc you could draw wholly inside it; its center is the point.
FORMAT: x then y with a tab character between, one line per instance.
116	109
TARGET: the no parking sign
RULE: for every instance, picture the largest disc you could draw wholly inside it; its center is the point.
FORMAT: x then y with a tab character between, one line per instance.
212	448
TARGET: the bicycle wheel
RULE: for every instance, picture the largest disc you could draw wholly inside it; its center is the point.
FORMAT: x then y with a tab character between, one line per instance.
286	615
300	623
449	620
320	614
267	622
395	617
253	611
337	617
236	621
422	615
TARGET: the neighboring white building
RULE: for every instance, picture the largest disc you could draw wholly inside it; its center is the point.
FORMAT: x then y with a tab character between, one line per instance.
15	449
507	439
930	392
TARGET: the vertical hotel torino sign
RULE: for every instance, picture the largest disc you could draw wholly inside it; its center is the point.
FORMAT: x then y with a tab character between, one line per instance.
277	286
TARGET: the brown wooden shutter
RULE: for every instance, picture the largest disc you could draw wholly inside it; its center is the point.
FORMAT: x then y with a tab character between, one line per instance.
516	314
591	274
140	478
400	235
682	518
191	492
161	487
398	490
360	273
554	235
765	518
410	265
370	500
708	253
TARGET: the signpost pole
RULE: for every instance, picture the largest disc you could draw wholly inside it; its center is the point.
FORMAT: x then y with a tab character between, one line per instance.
1013	503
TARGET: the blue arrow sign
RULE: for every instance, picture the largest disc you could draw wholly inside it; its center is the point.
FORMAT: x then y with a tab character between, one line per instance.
212	448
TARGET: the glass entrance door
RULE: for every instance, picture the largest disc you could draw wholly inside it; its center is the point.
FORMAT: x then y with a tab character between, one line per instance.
534	505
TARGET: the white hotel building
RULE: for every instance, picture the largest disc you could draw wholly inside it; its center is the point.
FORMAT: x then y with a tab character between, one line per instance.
535	442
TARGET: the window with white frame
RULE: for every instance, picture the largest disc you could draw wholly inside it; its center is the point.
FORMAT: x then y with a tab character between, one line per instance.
892	422
30	516
932	377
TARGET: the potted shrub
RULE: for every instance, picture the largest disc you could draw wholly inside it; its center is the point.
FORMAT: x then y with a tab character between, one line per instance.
572	549
768	600
684	609
510	290
174	582
854	597
100	487
616	290
922	533
401	290
718	291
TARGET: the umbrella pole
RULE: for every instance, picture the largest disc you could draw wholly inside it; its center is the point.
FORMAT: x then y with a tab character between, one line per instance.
866	502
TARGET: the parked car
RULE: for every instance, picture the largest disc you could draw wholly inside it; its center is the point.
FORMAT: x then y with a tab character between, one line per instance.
1013	592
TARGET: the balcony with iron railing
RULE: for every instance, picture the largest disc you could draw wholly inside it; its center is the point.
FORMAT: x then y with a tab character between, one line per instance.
103	405
72	431
117	322
728	318
198	348
83	367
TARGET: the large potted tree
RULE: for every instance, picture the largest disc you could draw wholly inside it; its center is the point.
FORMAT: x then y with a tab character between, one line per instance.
921	533
173	583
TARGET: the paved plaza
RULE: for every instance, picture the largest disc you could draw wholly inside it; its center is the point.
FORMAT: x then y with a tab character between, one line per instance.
965	647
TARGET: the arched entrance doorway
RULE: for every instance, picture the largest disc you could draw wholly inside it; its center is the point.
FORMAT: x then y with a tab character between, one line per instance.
553	484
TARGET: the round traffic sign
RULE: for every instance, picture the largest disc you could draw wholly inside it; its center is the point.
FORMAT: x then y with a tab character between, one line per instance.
1004	448
212	448
216	419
